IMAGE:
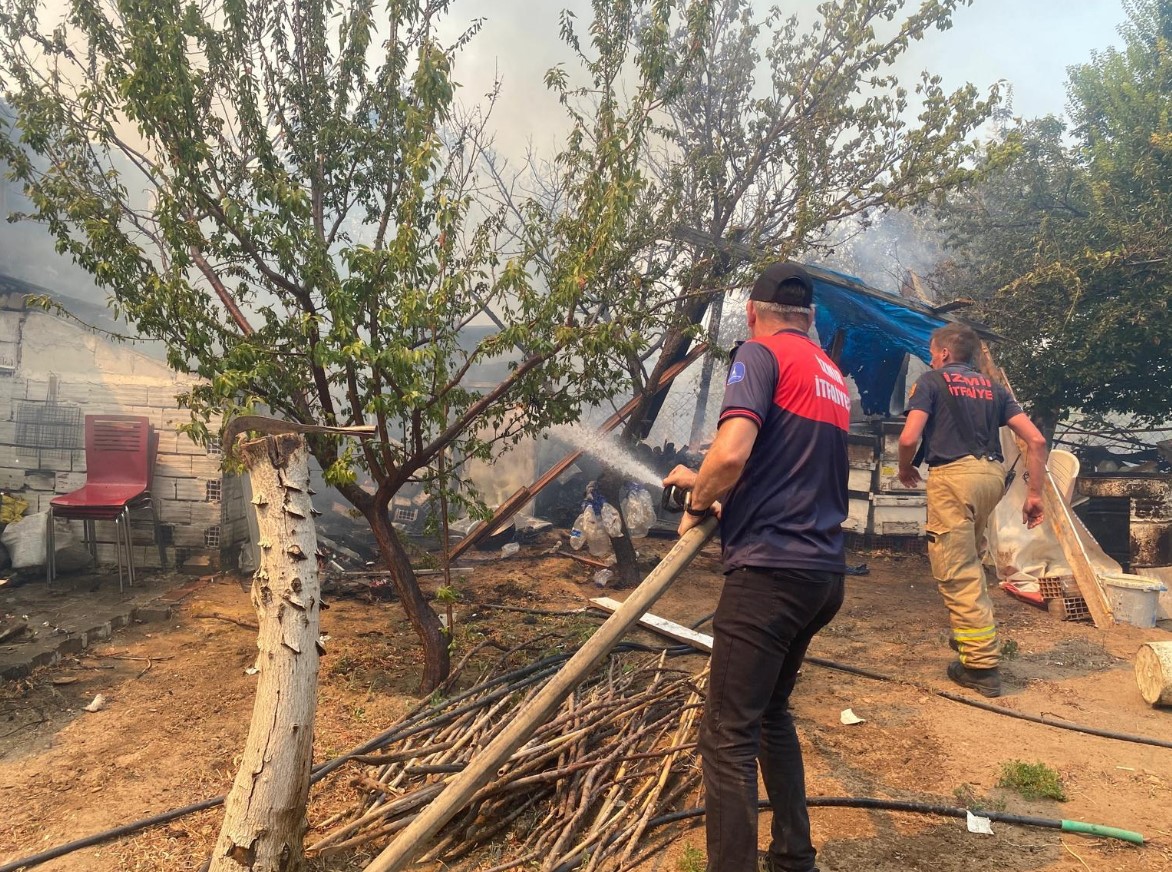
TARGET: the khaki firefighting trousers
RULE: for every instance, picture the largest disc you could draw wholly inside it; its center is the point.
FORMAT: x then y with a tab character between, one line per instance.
961	496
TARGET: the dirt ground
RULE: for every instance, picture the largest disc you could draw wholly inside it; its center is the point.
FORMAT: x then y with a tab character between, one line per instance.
177	714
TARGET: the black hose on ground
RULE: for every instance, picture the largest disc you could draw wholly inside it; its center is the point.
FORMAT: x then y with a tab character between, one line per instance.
932	809
996	709
897	805
529	674
702	621
989	707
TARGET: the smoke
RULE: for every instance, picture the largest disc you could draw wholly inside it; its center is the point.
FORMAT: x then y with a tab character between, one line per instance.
882	251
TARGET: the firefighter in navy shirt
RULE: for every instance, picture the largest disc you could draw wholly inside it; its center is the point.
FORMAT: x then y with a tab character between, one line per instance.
779	466
959	412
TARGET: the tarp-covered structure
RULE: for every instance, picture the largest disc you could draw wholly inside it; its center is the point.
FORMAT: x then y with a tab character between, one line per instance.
870	332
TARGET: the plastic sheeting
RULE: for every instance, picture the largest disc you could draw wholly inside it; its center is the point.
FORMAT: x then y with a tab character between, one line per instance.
1023	555
876	335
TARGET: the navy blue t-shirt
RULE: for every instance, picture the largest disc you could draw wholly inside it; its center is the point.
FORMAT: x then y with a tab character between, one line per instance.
787	508
984	407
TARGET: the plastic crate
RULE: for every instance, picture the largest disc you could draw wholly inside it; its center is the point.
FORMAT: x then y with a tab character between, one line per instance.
898	515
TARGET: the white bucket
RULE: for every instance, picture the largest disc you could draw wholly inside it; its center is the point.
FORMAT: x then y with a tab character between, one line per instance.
1133	598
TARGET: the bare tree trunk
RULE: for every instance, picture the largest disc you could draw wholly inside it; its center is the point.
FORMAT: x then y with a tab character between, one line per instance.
700	416
436	660
626	569
264	814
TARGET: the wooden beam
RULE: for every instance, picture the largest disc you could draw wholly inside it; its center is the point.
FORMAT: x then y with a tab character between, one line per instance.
662	626
1060	519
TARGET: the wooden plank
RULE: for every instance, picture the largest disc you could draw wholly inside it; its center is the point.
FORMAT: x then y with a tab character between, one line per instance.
493	525
1060	520
663	626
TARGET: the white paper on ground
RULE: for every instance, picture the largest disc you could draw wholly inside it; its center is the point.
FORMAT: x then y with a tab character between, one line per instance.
978	824
849	718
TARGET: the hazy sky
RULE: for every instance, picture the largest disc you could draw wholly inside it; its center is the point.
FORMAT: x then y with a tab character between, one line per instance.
1029	43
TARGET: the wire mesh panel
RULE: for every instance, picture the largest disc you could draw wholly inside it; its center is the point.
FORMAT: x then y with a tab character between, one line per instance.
50	432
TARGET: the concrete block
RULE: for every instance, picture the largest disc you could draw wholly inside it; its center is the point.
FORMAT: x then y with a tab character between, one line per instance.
69	481
36	389
74	390
175	512
146	556
40	480
167	439
201	564
205	514
165	396
185	445
45	658
128	395
192	489
15	671
173	465
153	612
77	460
191	536
72	644
163	488
11	479
205	465
174	418
98	633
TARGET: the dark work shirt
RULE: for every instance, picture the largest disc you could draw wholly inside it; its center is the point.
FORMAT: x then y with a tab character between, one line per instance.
984	407
787	508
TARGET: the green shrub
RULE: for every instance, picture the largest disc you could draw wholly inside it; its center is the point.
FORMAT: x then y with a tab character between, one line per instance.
1032	780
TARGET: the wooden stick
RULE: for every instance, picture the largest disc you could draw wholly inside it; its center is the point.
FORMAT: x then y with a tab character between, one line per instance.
217	616
587	560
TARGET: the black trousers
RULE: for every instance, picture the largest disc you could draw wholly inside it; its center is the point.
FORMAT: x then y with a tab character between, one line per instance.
764	622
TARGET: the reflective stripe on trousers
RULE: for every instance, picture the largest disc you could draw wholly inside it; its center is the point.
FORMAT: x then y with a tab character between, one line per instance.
961	496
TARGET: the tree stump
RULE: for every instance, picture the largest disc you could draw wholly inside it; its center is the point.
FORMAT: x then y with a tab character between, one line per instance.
264	818
1153	672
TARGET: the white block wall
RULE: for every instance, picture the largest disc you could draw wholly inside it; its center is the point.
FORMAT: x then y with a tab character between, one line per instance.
59	362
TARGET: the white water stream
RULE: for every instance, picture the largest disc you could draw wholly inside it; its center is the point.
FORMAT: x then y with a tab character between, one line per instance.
606	448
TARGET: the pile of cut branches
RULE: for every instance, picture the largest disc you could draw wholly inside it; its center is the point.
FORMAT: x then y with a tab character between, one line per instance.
582	792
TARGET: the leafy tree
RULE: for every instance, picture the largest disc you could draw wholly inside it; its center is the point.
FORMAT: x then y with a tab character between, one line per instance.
783	130
311	239
1069	242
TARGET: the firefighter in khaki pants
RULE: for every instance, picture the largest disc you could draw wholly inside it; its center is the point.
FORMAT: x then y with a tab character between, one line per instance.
958	412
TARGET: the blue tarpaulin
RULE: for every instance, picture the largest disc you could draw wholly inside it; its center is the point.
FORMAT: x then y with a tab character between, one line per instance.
877	333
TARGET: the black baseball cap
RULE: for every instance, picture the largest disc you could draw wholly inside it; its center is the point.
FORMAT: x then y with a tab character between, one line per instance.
785	283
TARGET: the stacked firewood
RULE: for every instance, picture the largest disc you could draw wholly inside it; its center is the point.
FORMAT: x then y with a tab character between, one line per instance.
584	792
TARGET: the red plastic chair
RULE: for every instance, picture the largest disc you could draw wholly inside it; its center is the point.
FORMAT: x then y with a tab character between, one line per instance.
120	457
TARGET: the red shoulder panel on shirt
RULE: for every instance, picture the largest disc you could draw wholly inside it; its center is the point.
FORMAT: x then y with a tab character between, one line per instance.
809	384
